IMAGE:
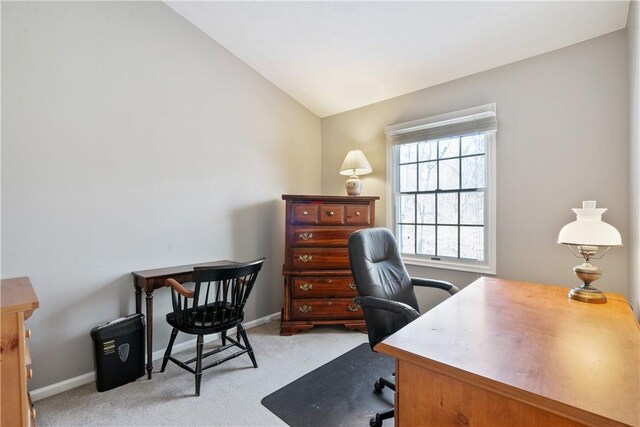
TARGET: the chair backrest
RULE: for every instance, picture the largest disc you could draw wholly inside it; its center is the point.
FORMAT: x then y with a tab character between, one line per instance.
219	295
378	271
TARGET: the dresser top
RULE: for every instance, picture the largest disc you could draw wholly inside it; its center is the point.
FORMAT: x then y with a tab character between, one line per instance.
317	198
530	342
17	294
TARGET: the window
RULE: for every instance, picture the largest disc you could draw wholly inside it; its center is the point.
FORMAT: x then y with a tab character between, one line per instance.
442	192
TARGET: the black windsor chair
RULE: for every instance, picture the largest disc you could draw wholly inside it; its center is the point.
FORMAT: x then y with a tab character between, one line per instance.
214	306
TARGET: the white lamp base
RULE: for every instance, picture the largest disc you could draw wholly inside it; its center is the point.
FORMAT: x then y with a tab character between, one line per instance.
354	186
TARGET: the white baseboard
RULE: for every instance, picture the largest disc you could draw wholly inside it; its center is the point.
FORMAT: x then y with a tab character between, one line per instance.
89	377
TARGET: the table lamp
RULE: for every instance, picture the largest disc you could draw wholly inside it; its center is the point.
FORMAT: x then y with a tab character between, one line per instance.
355	164
589	235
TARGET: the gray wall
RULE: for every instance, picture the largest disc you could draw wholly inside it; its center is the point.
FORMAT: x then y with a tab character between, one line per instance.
562	138
131	140
633	242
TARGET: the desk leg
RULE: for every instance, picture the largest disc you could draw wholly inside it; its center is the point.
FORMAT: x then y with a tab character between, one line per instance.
149	332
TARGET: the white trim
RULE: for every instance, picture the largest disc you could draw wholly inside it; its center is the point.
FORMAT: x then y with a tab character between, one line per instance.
488	267
456	116
89	377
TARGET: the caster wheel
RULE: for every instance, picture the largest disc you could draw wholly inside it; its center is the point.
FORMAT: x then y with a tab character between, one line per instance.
374	423
377	387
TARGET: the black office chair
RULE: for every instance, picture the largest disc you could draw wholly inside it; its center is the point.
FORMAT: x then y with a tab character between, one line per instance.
214	306
385	291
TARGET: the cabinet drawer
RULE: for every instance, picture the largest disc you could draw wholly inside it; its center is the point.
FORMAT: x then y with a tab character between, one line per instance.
318	287
320	258
326	309
357	214
331	214
305	213
321	236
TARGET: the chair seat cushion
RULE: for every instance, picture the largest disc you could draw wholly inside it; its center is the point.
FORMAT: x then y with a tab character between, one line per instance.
207	319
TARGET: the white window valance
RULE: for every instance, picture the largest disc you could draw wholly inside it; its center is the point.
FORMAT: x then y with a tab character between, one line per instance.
458	123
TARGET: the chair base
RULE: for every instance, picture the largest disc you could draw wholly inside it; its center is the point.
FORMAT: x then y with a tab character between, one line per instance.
389	413
241	335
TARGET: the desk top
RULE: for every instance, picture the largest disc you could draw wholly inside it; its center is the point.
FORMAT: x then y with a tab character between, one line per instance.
16	295
531	343
180	269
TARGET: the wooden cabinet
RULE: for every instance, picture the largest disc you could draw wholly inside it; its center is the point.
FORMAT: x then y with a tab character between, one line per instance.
318	287
18	303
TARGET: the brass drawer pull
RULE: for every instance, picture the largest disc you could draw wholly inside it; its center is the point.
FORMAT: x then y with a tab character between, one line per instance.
330	213
29	373
352	286
357	213
353	307
27	333
306	287
305	236
305	213
305	258
304	308
33	413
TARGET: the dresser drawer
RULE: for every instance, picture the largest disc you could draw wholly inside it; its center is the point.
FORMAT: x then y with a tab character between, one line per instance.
326	308
357	214
305	213
320	258
321	236
331	214
319	287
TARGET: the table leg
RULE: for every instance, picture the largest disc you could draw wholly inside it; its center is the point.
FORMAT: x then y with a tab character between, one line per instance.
149	332
138	298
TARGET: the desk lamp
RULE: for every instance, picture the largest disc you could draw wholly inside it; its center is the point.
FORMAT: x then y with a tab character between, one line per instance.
589	234
355	164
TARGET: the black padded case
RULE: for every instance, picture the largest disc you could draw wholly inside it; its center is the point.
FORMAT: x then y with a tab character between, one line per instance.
118	351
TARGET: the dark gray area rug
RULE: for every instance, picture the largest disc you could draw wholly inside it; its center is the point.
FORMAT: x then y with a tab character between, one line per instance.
339	393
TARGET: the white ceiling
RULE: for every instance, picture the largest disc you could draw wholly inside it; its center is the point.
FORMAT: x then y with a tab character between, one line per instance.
334	56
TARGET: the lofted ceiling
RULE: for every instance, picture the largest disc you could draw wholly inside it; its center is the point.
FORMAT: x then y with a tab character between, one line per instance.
334	56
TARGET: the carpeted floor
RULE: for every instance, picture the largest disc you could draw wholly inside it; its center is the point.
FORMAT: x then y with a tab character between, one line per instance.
230	394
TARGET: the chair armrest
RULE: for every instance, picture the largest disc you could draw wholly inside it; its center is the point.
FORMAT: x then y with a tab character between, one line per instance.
440	284
173	284
400	308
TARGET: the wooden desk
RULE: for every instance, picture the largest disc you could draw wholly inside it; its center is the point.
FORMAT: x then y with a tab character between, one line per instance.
504	353
18	301
150	280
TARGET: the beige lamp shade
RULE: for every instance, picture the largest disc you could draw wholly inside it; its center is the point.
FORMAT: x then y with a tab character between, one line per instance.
589	229
355	164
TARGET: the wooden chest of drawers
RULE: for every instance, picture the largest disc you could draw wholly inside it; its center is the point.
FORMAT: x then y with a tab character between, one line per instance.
318	287
18	303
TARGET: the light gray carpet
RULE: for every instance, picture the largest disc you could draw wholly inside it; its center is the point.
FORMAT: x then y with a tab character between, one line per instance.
230	393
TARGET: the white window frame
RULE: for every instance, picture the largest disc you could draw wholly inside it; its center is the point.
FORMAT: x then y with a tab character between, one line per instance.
488	266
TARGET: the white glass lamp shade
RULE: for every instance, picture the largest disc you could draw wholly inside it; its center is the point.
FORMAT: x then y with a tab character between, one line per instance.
588	229
355	164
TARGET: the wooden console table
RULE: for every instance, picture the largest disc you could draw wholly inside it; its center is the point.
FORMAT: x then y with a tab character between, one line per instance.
150	280
504	353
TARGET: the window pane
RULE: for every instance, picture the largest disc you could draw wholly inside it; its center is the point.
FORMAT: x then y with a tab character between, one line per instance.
426	207
407	238
447	241
407	208
473	144
427	176
408	177
408	152
448	208
449	174
472	208
472	243
426	239
473	172
449	147
428	150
